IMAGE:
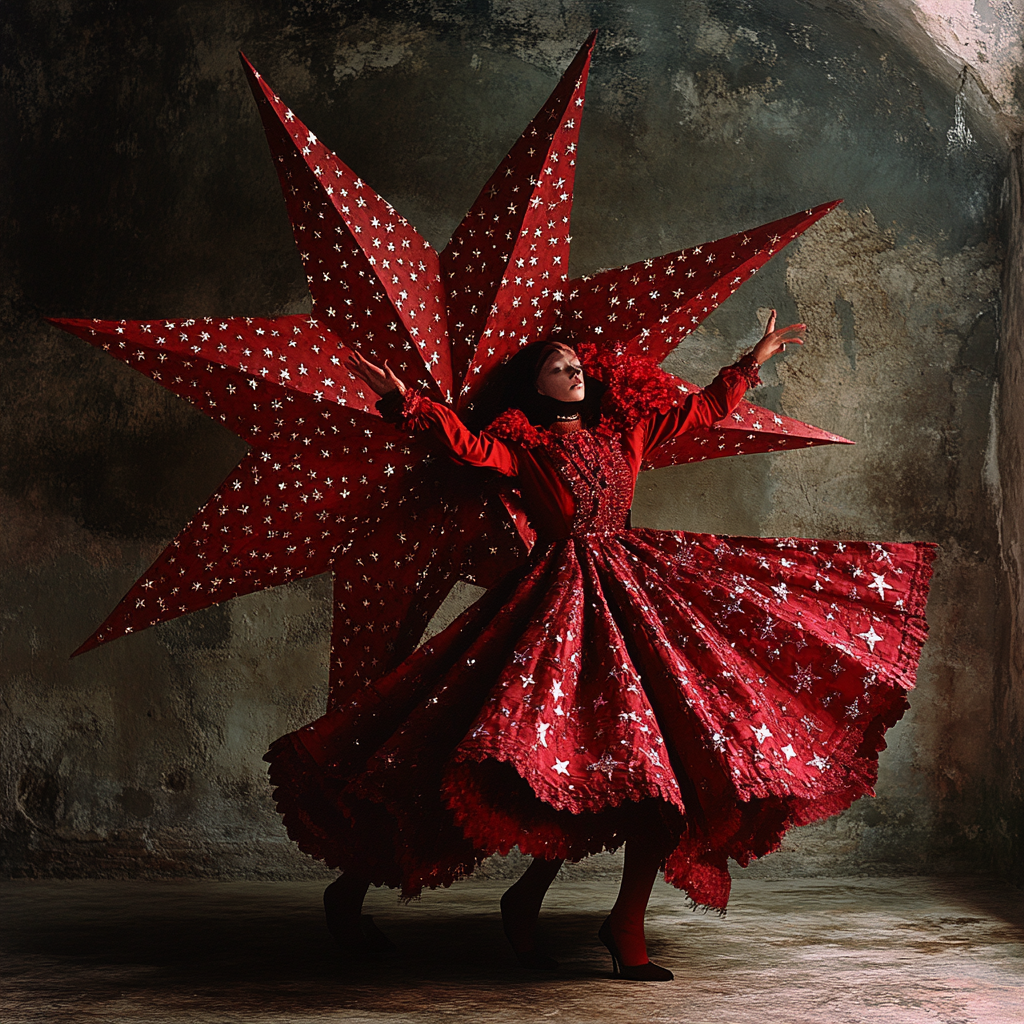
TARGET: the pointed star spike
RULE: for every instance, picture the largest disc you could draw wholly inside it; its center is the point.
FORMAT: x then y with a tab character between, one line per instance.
748	430
227	365
278	517
235	545
374	279
506	266
394	574
647	308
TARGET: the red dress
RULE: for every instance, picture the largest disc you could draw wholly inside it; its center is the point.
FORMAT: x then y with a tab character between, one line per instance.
715	690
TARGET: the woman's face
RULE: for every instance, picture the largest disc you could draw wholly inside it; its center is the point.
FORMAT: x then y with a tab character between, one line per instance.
561	376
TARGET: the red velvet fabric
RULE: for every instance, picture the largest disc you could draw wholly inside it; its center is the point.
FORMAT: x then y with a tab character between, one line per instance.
717	690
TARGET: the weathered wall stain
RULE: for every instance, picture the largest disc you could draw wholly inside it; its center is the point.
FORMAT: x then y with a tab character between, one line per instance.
139	186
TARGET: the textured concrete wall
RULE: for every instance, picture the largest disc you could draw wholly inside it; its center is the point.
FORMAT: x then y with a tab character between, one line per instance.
136	184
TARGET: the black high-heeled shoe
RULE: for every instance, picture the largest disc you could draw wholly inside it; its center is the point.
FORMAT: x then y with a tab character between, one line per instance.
639	972
531	960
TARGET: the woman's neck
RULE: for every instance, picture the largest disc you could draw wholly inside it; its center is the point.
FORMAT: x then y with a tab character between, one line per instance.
563	425
552	410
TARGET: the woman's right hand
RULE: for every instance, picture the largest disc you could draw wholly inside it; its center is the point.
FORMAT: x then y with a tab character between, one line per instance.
775	341
381	380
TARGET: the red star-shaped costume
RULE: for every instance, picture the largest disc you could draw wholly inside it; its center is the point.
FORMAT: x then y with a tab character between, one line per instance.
328	485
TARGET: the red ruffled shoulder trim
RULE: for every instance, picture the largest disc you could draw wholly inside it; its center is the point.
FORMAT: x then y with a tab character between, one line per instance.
636	387
512	425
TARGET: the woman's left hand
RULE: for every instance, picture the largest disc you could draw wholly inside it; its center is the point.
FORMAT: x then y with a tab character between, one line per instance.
775	341
380	378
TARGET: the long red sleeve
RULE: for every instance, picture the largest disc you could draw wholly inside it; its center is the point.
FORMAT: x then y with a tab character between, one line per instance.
704	407
417	412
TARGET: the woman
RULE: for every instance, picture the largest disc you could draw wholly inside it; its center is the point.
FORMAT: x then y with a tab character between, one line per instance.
689	696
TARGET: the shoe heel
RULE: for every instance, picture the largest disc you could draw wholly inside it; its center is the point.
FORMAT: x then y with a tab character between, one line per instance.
605	935
641	972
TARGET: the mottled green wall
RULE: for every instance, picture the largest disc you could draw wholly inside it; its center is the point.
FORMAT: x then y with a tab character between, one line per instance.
135	183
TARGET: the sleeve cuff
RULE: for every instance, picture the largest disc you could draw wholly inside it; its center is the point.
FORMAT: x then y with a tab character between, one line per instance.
749	368
403	409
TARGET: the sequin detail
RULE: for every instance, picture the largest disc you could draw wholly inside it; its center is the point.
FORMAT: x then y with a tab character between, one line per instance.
599	477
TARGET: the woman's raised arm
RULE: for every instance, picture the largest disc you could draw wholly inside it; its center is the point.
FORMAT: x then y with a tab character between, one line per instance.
725	392
413	411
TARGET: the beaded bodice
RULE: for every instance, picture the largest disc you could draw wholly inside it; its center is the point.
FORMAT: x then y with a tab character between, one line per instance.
599	476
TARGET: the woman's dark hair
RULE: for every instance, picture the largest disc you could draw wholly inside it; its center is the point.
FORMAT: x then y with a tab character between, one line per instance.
513	385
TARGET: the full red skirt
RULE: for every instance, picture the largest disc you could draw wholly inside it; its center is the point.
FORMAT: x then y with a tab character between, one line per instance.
714	691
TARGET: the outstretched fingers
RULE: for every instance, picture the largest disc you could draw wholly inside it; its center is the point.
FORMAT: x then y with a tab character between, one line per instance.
775	339
381	380
794	333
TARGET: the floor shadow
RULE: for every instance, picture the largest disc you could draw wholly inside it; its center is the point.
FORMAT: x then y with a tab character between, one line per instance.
285	960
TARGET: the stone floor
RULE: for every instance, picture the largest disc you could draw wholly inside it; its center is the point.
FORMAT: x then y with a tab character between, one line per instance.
911	950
